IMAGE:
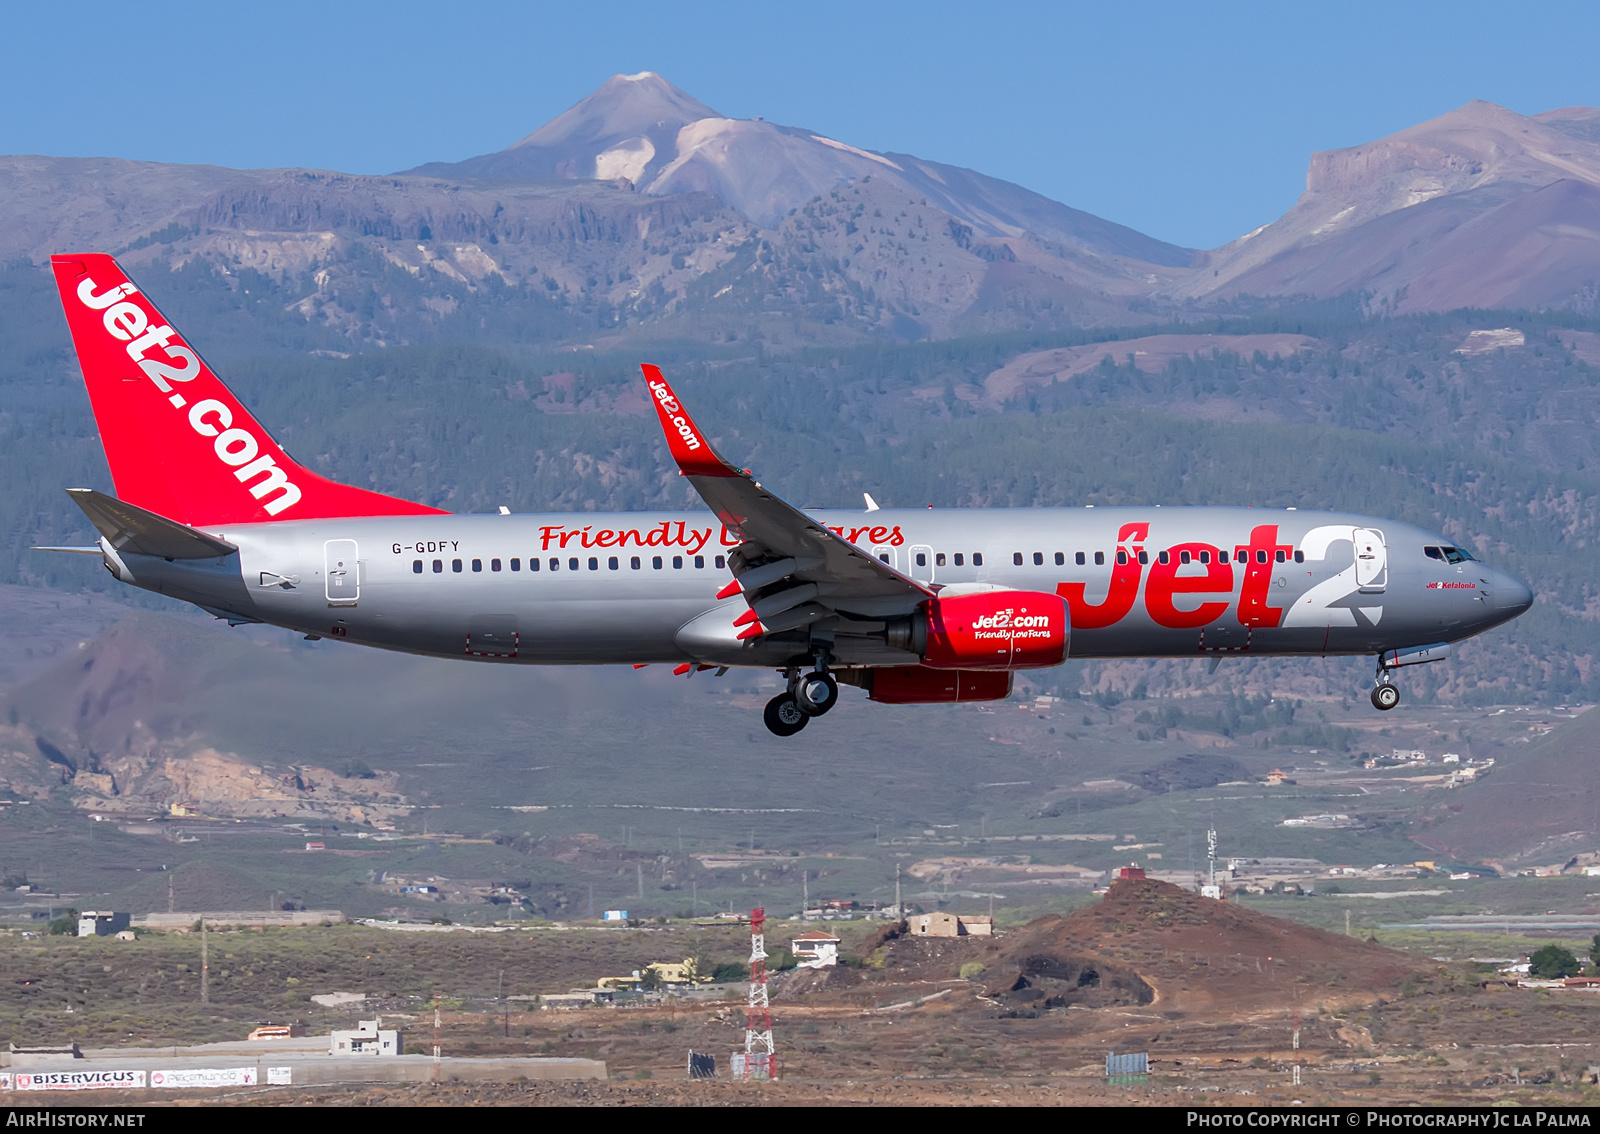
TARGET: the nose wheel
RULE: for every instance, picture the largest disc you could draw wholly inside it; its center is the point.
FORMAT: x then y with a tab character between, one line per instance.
1385	695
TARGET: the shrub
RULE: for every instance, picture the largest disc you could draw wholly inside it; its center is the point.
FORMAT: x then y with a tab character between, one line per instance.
972	970
65	925
1553	962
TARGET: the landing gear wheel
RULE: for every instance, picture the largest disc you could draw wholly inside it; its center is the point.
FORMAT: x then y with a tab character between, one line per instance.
816	693
1385	697
783	715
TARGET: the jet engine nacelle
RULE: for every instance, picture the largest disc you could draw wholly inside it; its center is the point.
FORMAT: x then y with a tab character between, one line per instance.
996	630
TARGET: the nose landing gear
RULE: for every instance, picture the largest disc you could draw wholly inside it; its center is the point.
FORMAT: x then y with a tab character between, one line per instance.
1385	695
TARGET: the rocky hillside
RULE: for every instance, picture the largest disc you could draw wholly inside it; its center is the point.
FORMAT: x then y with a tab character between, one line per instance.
1480	207
122	727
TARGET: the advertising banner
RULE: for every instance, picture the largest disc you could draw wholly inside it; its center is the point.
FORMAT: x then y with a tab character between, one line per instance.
204	1077
77	1080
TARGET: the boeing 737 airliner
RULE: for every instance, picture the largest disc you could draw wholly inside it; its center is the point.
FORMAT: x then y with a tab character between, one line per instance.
909	605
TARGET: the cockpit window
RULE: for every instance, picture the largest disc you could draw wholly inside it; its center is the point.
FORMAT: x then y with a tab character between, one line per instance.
1455	555
1433	553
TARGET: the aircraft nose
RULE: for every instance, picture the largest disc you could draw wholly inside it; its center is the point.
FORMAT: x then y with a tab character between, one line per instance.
1511	595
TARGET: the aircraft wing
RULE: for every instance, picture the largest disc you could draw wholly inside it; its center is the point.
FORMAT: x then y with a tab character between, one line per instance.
794	571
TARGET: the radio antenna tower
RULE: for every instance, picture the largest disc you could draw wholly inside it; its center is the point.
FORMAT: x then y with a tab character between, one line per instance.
759	1060
1210	889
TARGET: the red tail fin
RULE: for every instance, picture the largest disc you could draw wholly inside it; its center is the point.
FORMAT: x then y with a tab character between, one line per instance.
178	442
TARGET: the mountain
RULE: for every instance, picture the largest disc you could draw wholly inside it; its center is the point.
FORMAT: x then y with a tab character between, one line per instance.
640	211
643	130
1480	207
644	215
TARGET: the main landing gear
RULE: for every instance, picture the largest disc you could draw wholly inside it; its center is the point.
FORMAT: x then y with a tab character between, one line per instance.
1385	695
809	695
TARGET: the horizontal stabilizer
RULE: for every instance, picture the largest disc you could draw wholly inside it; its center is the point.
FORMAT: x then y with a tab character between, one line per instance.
135	530
95	550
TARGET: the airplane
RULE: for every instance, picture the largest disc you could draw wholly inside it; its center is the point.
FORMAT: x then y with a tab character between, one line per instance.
910	605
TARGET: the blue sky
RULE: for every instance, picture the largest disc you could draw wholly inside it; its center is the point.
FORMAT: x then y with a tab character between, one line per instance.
1191	122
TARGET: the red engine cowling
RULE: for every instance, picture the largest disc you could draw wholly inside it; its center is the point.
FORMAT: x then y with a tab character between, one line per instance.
997	630
918	685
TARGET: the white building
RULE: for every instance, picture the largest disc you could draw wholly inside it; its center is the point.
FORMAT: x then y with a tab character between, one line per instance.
815	950
370	1038
101	924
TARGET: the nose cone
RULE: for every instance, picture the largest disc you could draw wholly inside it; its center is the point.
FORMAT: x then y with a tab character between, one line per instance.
1511	596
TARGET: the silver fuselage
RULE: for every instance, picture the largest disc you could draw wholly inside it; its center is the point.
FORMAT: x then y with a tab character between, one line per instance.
640	587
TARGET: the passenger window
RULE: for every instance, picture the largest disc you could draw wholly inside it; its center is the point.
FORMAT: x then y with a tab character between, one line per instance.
977	559
1061	559
1433	553
516	564
1183	557
1122	557
677	563
416	566
1205	557
455	565
1016	558
494	564
1161	557
938	559
477	565
884	557
1078	559
555	564
594	563
1144	557
699	562
572	564
612	563
634	563
1038	559
1299	557
533	564
1281	557
922	559
958	559
655	561
438	566
1261	556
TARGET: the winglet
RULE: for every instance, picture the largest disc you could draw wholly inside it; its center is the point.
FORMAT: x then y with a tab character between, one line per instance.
690	449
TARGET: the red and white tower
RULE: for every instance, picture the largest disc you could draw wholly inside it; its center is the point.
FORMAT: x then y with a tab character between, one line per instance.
759	1060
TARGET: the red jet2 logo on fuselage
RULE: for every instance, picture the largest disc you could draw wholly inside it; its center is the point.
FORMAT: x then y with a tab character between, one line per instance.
1165	584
